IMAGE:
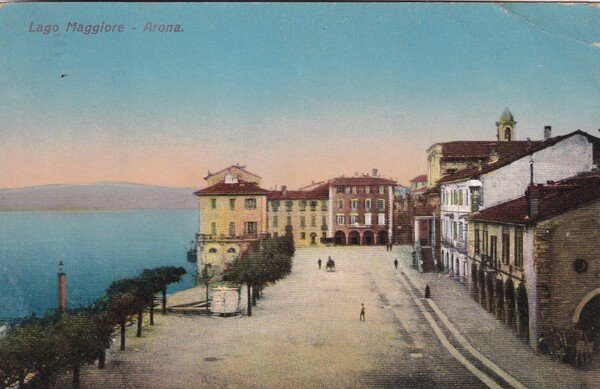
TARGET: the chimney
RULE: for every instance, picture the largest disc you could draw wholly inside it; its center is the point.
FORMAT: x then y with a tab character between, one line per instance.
374	172
547	132
62	289
494	156
283	189
533	196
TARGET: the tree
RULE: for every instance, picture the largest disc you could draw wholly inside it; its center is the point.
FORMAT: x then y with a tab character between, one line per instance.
80	341
205	276
168	275
120	309
138	289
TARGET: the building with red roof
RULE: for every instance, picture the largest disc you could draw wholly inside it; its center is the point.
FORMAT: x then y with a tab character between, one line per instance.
534	261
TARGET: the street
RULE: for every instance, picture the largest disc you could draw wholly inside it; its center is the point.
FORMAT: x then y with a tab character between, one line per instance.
305	332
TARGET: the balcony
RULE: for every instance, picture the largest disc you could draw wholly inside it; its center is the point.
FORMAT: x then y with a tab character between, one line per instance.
226	238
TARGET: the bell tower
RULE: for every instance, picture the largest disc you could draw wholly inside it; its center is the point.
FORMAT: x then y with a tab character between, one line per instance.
506	126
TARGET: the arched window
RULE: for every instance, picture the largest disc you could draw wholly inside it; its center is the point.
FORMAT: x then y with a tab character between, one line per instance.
507	133
231	250
213	250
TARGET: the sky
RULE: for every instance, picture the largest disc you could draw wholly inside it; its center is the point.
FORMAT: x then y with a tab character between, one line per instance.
296	92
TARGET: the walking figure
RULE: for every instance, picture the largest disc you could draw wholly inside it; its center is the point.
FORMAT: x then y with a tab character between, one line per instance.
319	262
362	312
396	263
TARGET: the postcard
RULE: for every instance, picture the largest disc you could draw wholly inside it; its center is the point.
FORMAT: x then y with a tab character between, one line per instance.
299	195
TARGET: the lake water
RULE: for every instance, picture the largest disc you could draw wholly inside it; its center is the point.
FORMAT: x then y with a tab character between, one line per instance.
96	247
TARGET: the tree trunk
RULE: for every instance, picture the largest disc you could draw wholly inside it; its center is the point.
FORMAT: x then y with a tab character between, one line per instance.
152	312
249	300
207	304
254	293
122	334
21	379
139	323
164	300
76	371
102	359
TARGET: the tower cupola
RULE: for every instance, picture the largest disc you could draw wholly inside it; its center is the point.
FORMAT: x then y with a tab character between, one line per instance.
506	126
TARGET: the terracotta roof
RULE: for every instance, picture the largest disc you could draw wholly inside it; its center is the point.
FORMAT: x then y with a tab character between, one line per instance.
239	188
555	198
364	180
240	167
482	149
321	192
421	178
510	158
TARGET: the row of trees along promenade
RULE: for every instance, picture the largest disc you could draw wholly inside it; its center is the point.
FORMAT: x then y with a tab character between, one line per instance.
263	263
40	348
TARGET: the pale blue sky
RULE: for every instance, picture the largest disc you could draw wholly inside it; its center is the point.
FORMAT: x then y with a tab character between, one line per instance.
295	91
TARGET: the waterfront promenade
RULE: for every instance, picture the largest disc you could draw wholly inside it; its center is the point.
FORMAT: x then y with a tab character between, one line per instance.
306	332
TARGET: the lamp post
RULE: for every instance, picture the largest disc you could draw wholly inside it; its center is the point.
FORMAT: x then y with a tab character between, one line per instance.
62	288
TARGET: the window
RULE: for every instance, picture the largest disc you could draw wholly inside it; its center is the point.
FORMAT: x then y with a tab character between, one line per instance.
340	220
303	235
354	205
323	205
232	204
313	220
303	221
213	203
485	240
477	239
288	221
340	204
354	190
339	189
313	206
455	231
368	204
519	248
213	228
250	203
324	235
368	220
288	205
324	220
381	205
275	221
353	219
507	133
275	205
231	228
505	246
367	189
303	205
250	228
347	190
494	251
212	250
275	234
460	197
381	190
443	197
381	219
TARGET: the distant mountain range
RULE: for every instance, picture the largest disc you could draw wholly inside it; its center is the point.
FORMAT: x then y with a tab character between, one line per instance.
99	196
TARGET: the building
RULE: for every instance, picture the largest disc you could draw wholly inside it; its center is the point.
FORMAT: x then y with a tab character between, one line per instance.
447	158
361	209
233	214
303	213
504	179
534	258
236	211
418	182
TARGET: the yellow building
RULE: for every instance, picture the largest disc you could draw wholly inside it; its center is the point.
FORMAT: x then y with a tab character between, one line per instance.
302	212
233	214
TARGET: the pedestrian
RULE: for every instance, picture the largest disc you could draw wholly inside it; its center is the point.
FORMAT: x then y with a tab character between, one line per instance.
396	263
319	262
362	312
